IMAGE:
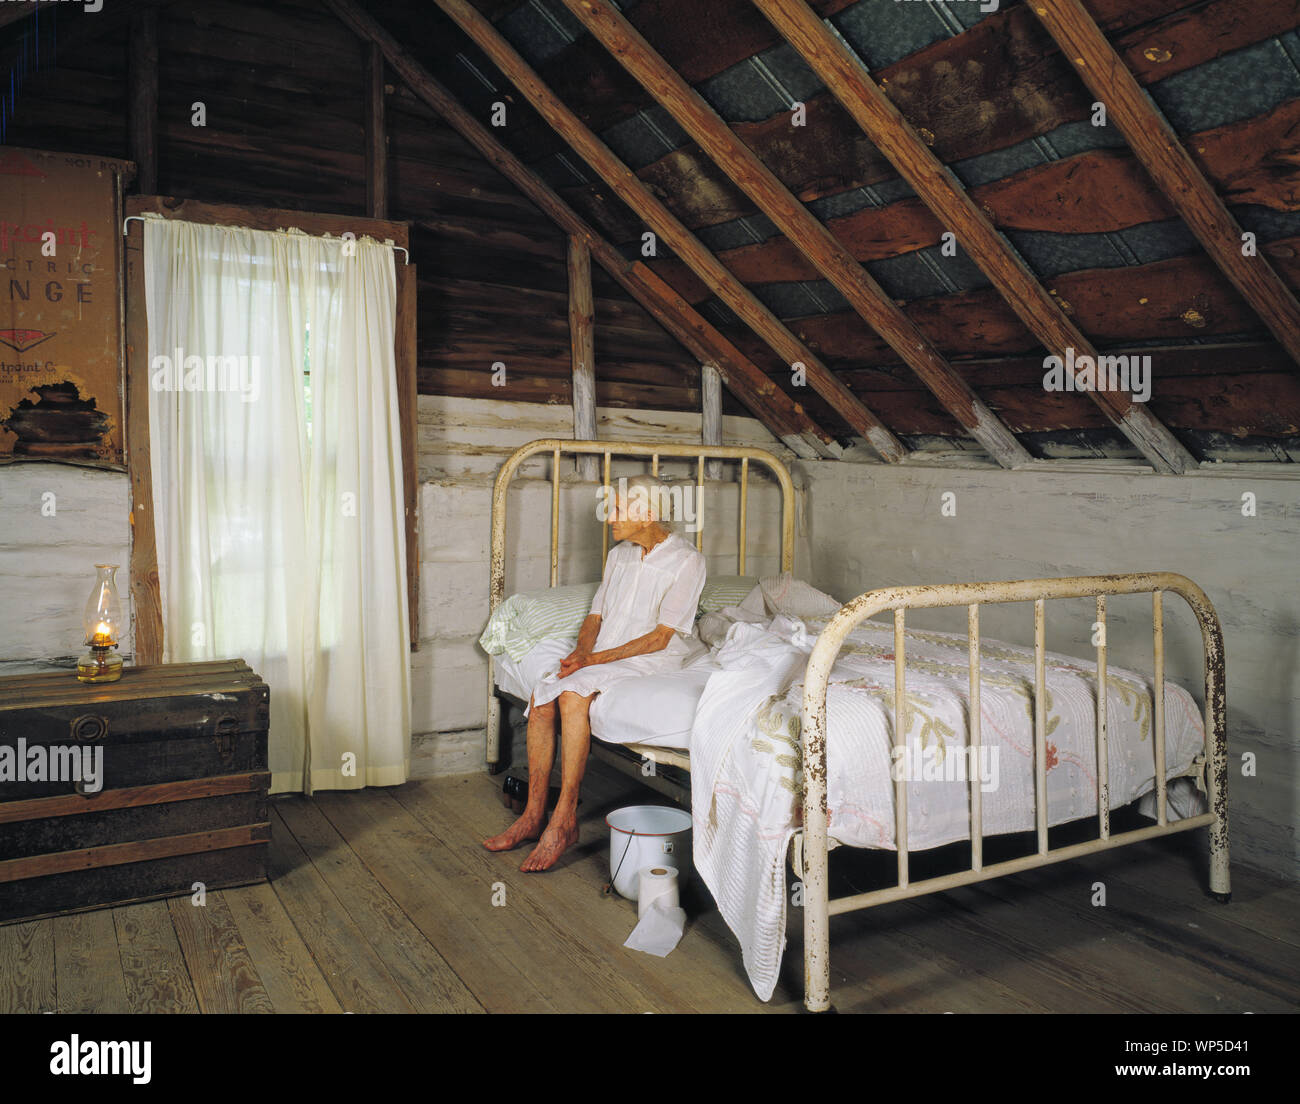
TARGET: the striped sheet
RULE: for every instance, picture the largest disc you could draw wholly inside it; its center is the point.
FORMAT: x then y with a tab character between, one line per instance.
523	621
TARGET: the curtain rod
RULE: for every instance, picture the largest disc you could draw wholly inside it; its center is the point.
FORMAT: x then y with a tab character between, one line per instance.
140	218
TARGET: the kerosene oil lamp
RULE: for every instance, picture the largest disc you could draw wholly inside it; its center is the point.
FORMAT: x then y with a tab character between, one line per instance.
103	624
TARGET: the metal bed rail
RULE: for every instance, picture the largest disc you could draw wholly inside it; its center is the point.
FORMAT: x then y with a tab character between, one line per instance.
559	448
818	907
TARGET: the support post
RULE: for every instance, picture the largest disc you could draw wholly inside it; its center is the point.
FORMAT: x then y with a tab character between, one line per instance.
711	415
376	134
142	76
582	337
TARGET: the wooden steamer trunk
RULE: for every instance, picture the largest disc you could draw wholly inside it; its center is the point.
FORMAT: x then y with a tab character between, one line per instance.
183	796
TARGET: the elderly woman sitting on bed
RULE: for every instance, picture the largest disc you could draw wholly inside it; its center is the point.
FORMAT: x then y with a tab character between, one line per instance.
645	604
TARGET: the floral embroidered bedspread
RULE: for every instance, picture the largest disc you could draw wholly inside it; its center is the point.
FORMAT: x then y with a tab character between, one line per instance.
747	774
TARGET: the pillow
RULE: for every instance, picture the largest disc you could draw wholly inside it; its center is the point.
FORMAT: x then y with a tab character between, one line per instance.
795	598
524	620
725	590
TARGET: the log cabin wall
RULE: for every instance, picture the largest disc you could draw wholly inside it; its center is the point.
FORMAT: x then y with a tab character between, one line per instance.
281	86
1234	531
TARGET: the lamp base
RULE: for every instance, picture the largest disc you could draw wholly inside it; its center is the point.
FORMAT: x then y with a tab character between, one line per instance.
100	664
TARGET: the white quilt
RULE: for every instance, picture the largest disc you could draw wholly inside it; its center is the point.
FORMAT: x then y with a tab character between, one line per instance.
745	754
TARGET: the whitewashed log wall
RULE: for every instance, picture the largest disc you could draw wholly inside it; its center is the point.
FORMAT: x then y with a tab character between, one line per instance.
877	525
58	522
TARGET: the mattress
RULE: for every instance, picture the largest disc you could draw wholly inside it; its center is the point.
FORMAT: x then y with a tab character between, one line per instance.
754	709
661	710
656	710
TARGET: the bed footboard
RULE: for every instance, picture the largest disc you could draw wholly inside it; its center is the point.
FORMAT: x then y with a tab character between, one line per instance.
818	907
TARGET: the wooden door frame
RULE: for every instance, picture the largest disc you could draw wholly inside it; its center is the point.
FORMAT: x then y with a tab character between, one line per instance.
145	593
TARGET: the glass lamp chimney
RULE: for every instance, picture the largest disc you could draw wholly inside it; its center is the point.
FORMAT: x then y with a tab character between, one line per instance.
103	625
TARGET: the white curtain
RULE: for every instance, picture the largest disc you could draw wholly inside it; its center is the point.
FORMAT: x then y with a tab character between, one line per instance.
277	479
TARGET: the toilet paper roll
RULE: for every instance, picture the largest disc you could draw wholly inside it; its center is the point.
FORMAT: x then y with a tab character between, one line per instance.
656	883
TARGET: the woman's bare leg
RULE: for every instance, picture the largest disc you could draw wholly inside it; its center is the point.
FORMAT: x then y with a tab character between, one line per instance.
541	756
575	735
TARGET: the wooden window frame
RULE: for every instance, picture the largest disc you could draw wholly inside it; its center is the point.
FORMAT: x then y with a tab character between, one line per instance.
145	593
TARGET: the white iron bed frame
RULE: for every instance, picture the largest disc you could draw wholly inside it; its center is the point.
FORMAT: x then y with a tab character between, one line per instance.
810	849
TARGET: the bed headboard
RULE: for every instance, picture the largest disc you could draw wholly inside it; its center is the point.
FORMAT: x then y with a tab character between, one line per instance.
559	448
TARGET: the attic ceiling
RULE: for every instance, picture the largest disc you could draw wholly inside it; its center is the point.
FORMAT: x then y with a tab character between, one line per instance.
993	98
999	105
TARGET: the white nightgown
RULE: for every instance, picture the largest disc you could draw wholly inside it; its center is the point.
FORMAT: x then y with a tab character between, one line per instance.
636	594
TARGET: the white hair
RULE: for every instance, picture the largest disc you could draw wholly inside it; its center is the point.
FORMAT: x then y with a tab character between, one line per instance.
653	491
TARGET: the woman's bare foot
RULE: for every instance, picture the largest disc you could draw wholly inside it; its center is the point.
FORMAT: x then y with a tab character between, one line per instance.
556	840
525	828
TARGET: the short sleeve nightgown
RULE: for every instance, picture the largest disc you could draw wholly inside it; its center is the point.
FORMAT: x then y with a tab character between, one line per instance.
638	592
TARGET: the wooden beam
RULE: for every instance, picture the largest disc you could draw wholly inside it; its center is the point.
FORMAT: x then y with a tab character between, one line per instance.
1156	145
407	360
843	73
268	218
711	415
746	380
142	75
1240	390
661	220
376	134
582	336
146	591
1174	300
836	263
699	39
749	384
992	86
1094	192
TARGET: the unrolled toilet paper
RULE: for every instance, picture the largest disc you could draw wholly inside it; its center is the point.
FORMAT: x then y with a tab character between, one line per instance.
658	931
660	922
656	884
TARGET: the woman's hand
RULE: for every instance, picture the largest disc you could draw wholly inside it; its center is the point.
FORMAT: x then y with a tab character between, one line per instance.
574	661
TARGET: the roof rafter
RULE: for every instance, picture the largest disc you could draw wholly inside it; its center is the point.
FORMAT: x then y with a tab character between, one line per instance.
843	73
1171	167
821	247
785	418
664	223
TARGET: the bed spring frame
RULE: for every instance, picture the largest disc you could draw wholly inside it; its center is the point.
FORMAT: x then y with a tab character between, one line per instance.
810	851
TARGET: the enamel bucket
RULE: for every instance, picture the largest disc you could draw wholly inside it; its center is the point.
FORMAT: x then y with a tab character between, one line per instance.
647	835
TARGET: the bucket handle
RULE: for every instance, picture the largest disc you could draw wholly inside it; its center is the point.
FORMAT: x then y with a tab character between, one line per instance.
608	890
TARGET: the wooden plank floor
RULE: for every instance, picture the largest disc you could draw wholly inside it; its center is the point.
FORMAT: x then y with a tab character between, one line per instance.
383	900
